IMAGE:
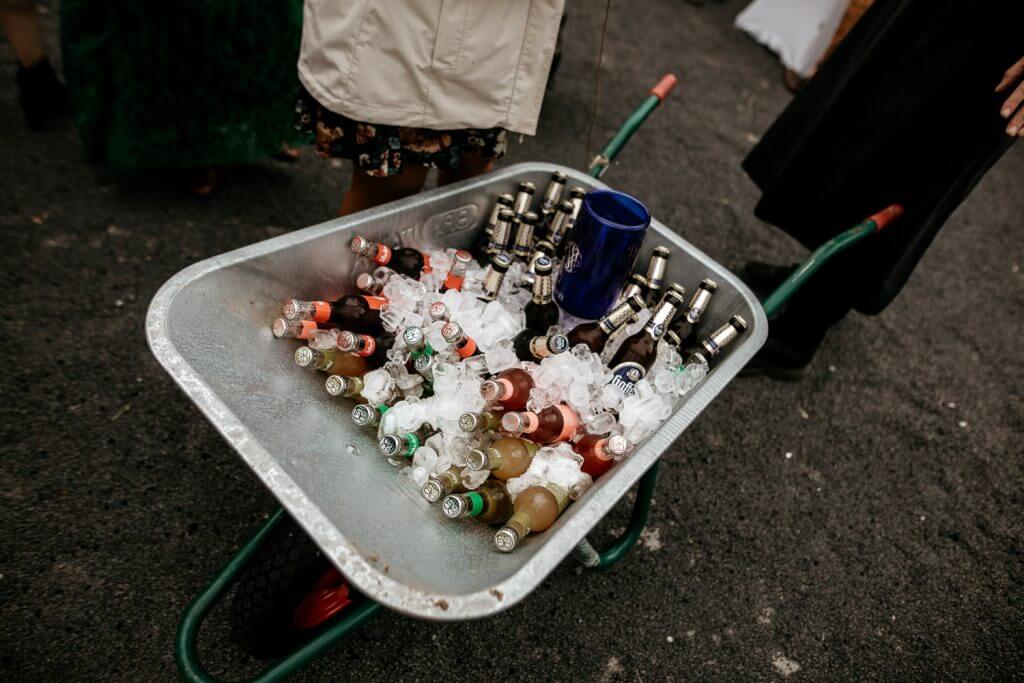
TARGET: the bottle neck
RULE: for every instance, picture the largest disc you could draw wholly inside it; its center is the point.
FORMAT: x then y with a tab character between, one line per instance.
542	289
719	339
660	319
616	318
698	304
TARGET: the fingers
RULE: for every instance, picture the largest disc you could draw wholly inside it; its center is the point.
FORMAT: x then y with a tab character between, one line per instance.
1016	125
1012	75
1013	102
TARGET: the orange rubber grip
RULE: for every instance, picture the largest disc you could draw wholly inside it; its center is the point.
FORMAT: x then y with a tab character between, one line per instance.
664	86
887	215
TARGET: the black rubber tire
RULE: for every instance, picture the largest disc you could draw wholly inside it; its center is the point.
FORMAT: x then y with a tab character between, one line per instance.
284	570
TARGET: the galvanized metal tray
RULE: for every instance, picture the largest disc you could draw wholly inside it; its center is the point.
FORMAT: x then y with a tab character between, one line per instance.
209	328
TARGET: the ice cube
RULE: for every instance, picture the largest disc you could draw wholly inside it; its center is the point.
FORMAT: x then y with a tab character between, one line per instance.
378	387
579	394
600	423
425	457
446	379
472	479
403	292
500	357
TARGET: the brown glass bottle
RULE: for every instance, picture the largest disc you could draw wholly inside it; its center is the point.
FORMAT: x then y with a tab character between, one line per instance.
490	503
536	509
637	354
531	346
541	311
551	425
597	333
294	329
440	485
691	315
404	260
506	457
511	388
356	312
453	334
373	349
656	273
332	361
600	452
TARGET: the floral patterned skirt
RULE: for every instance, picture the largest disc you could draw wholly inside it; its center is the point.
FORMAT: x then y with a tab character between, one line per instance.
382	150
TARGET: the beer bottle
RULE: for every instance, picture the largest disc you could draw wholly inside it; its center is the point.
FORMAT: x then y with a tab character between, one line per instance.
332	361
523	245
404	260
501	236
510	387
687	322
600	452
490	503
457	273
576	195
357	312
440	485
373	349
482	245
487	421
453	334
635	286
656	273
494	276
403	445
560	225
344	387
294	329
700	358
524	197
597	333
365	415
536	509
551	425
637	354
531	346
424	366
541	311
552	195
506	457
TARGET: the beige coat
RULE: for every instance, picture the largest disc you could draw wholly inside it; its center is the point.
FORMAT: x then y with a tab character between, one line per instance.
440	64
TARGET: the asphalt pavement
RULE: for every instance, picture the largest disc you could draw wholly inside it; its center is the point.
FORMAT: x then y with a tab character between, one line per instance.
863	524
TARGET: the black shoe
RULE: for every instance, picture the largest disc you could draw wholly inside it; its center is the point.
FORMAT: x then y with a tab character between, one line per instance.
764	278
779	360
43	98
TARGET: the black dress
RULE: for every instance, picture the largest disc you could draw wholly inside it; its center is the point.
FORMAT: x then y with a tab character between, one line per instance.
904	111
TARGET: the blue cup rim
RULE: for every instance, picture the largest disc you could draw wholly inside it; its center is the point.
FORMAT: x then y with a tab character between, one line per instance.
629	198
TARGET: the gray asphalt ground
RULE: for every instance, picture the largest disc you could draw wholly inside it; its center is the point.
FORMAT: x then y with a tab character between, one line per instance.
864	524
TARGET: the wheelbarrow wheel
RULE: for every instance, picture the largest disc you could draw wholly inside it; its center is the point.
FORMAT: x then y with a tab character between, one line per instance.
287	595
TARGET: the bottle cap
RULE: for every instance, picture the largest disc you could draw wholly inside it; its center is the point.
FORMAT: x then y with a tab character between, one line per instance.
678	289
506	539
617	445
413	336
542	265
527	187
709	284
565	206
389	444
433	490
558	343
501	262
291	309
304	356
490	390
546	247
438	311
530	217
362	414
455	506
462	258
337	385
636	302
423	364
360	245
505	199
468	422
477	459
507	215
577	192
280	327
638	279
346	341
452	332
559	177
365	281
513	422
739	323
663	252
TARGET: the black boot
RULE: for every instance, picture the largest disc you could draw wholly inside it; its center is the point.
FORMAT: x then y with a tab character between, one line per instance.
43	98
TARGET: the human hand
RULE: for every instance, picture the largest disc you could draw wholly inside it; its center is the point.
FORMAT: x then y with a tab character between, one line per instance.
1012	108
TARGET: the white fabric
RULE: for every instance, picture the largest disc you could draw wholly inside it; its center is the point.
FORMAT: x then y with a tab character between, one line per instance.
799	31
439	64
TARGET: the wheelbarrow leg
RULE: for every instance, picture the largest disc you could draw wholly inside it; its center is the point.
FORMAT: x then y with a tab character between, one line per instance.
186	655
590	557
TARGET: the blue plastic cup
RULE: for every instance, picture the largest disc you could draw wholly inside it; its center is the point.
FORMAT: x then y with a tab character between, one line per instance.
600	253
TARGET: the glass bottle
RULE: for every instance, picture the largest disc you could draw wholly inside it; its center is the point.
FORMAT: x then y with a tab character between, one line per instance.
494	276
457	273
531	346
501	236
489	503
656	273
424	366
357	312
597	333
403	445
373	349
440	485
438	311
600	452
506	457
486	421
416	342
294	329
551	425
510	387
541	312
482	246
365	415
523	245
404	260
453	333
536	509
344	387
331	360
368	284
524	197
637	354
576	195
552	195
687	322
635	286
707	352
559	227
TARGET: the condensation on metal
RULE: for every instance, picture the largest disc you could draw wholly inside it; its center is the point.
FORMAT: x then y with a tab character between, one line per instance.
209	326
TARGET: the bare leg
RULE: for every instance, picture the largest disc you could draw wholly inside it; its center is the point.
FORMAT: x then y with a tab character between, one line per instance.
366	192
21	25
470	165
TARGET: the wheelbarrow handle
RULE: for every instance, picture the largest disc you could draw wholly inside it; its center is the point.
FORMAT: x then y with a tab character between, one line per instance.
658	93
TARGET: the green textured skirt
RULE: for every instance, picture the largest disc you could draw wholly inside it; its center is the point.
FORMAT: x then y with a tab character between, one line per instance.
188	83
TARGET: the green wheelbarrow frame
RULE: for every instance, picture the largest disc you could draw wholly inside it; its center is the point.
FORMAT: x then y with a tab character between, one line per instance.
186	653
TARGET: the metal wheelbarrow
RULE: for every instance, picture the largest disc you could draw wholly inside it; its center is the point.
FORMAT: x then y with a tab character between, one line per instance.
208	327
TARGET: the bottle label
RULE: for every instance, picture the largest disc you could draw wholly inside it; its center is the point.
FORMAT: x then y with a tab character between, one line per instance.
321	311
626	375
467	349
376	302
570	423
453	282
539	347
662	315
573	257
542	290
412	442
616	318
383	255
309	329
369	345
476	503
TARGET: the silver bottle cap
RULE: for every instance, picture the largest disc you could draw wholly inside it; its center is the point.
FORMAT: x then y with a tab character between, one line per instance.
433	490
346	341
468	422
477	459
558	343
506	540
337	385
542	265
452	332
280	327
460	262
636	285
504	201
424	365
389	445
490	390
365	282
363	414
455	506
291	309
413	338
617	445
360	245
513	423
577	192
438	311
304	356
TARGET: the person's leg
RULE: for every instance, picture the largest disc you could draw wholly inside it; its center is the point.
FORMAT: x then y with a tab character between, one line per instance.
42	96
21	26
366	191
471	165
